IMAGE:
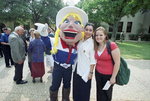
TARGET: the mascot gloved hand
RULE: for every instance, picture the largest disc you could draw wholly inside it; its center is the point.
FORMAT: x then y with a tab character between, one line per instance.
70	23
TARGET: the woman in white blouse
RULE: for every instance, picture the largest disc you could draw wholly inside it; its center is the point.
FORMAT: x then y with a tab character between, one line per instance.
84	65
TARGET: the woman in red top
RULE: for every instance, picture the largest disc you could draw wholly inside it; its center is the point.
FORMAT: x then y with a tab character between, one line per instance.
105	70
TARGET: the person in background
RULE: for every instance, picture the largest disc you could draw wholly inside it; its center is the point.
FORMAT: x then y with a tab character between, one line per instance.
84	66
24	35
49	58
6	48
18	53
105	70
37	48
31	38
28	34
139	38
24	38
31	31
121	36
4	30
1	49
1	52
50	34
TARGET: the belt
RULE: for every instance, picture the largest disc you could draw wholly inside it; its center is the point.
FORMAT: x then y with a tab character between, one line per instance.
65	65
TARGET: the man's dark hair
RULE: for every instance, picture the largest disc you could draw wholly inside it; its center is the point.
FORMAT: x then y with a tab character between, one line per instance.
4	28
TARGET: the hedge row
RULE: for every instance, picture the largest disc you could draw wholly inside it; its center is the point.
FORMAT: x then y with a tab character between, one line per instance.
117	36
145	37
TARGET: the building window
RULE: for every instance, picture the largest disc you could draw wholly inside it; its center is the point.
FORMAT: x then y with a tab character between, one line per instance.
120	26
129	27
149	30
110	27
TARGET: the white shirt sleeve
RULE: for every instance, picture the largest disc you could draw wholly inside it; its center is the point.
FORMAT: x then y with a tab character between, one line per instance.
92	56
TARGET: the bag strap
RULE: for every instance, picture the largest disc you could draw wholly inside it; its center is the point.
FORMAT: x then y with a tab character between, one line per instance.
109	50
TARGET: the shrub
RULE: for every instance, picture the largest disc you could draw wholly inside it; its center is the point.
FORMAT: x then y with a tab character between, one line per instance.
117	35
133	36
109	35
145	37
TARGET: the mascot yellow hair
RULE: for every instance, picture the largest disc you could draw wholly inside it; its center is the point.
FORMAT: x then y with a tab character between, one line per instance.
54	50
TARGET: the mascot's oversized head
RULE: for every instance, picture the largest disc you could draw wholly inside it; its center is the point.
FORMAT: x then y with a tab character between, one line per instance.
70	23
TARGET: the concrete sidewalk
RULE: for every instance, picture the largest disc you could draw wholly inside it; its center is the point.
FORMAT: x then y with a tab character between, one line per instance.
138	89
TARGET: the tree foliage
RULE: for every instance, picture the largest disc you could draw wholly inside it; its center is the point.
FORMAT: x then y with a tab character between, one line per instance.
13	11
111	11
43	11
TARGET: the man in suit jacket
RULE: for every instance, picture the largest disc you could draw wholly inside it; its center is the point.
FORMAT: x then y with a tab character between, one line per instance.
18	53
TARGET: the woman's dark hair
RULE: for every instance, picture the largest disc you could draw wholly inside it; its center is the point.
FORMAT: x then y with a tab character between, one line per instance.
89	24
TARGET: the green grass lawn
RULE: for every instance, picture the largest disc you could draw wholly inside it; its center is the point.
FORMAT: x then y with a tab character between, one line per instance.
132	50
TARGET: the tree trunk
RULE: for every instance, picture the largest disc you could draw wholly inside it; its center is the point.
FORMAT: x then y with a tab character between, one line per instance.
115	28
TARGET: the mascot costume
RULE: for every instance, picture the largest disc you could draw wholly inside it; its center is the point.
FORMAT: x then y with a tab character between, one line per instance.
70	23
